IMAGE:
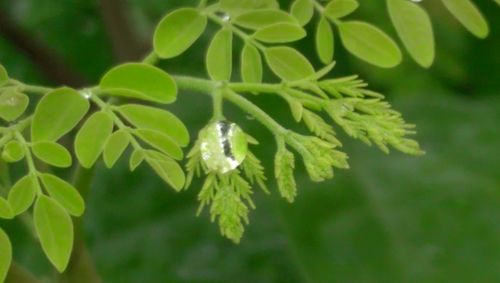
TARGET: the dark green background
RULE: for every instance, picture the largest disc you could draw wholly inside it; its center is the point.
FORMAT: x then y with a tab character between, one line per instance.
391	218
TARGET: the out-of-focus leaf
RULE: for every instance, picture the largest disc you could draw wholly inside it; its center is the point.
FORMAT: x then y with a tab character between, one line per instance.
178	31
251	64
238	7
288	64
469	15
52	153
57	113
13	151
4	77
303	11
22	194
414	27
12	104
370	44
90	140
64	193
324	41
220	56
55	230
6	211
5	254
142	81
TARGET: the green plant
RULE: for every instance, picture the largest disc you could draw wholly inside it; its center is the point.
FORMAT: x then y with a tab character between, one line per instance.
157	137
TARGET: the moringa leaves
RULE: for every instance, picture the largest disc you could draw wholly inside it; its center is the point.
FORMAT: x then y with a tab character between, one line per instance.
115	146
280	33
4	78
13	151
6	211
57	113
337	9
251	64
288	64
64	193
90	140
324	41
303	11
12	104
52	153
220	56
469	16
169	170
54	228
414	27
141	81
23	193
178	31
370	44
258	19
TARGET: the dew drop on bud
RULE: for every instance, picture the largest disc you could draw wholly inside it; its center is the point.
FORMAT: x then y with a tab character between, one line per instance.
223	146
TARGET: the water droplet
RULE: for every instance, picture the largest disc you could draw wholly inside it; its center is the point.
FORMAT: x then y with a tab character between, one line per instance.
223	146
416	1
224	16
86	93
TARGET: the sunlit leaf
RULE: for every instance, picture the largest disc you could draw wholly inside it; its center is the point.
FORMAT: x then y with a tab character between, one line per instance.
22	194
251	64
115	146
220	56
52	153
288	64
141	81
324	41
12	104
303	11
414	27
169	170
280	33
370	44
6	211
90	140
64	193
57	113
161	142
469	15
238	7
156	119
136	159
5	254
55	231
178	31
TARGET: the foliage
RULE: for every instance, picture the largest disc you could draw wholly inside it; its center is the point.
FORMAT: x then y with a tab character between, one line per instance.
157	137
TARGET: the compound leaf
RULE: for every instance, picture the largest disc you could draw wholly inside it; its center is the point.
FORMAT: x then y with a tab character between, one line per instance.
280	33
52	153
12	104
220	56
324	41
64	193
303	11
337	9
90	140
258	19
115	146
469	16
251	64
23	193
288	64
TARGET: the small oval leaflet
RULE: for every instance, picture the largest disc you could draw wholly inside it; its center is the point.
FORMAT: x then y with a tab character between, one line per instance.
223	146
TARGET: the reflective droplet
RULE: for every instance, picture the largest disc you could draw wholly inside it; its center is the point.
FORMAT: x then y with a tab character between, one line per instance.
416	1
224	16
223	146
86	93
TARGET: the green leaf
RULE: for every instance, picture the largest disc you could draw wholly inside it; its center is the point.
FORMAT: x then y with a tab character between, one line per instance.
146	117
169	170
64	193
296	108
13	151
136	159
337	9
4	77
5	254
288	64
52	153
469	16
55	230
90	140
220	56
115	146
6	211
251	64
284	164
141	81
238	7
12	104
324	41
280	33
258	19
303	11
57	113
161	142
178	31
414	27
370	44
22	194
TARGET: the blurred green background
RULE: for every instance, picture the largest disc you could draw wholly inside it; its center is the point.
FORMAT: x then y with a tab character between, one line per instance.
391	218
